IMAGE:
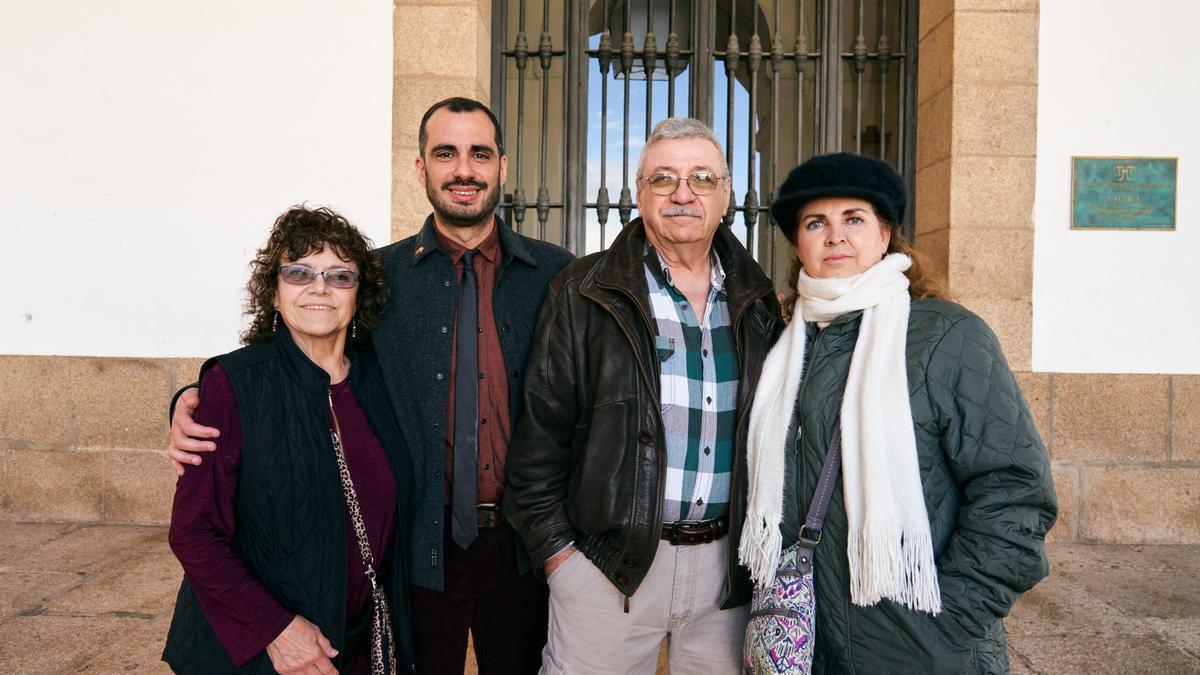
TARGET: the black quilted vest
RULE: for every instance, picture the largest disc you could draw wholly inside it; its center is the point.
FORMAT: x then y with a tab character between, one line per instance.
290	510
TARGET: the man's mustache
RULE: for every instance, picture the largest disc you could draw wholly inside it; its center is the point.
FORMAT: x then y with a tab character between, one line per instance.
682	210
464	183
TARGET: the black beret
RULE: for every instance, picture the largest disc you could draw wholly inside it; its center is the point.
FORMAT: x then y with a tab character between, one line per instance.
840	175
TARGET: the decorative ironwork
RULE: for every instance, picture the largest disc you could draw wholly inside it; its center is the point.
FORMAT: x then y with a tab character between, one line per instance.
722	61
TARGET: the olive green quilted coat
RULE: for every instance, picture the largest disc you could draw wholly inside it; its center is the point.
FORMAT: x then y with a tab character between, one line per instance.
986	479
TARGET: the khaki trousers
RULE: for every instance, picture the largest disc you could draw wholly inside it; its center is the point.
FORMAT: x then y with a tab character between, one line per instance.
590	632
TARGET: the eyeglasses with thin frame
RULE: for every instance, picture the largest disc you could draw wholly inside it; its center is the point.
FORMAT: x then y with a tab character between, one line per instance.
700	183
301	275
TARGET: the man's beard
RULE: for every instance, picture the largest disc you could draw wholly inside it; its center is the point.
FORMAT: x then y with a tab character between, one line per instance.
463	215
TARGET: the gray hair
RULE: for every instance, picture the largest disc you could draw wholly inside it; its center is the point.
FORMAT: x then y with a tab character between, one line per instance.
673	128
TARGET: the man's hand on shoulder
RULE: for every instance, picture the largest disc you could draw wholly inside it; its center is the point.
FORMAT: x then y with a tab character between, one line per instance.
187	437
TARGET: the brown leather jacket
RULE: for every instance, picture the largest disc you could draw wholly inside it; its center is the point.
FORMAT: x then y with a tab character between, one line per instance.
587	460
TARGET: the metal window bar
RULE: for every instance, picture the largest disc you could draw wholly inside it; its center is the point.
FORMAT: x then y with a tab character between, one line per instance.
798	106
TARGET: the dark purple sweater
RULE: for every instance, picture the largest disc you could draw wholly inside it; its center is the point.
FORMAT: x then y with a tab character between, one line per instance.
244	616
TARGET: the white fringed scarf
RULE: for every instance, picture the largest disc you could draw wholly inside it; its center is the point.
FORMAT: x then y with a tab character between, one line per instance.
889	545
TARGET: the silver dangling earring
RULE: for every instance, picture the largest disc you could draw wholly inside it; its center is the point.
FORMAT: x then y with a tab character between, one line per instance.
353	329
275	323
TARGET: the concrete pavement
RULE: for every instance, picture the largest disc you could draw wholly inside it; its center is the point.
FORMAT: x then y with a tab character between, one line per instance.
98	599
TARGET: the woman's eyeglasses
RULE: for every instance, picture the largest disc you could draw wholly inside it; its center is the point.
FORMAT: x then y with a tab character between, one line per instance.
700	183
299	275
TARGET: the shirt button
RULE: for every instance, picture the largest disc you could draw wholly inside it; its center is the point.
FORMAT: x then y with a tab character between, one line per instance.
703	351
479	330
708	451
516	373
622	578
481	376
437	474
439	376
483	420
699	502
435	521
446	283
629	564
445	329
645	438
487	467
708	399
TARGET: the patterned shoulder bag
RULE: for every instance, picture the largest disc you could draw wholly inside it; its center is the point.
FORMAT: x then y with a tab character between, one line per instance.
783	616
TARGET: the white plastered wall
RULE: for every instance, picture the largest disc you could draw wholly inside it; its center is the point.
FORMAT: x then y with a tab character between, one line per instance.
1117	79
146	147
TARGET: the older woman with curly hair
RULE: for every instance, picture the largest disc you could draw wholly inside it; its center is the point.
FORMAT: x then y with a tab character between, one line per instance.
293	540
938	519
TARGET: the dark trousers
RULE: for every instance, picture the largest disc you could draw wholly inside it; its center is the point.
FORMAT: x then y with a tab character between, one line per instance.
505	611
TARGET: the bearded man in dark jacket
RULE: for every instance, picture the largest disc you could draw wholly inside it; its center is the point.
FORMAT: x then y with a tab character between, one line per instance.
625	475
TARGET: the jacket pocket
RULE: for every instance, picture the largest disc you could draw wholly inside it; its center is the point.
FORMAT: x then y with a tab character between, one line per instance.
889	636
600	489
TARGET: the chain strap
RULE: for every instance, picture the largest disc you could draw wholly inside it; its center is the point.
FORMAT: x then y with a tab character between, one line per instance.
381	625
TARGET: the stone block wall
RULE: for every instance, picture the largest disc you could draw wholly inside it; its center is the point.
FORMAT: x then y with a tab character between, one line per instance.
81	438
976	158
1126	454
441	48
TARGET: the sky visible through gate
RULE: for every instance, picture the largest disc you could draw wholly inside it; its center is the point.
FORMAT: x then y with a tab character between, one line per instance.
637	135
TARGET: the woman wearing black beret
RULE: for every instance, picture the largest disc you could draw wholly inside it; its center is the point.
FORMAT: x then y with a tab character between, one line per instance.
937	521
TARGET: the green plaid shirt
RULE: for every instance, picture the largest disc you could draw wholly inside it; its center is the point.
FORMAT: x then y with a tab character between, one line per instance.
698	385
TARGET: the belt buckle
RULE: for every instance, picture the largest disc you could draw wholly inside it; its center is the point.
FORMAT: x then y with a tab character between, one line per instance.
704	532
488	515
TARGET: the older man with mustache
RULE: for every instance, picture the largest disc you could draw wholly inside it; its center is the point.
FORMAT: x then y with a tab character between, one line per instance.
625	473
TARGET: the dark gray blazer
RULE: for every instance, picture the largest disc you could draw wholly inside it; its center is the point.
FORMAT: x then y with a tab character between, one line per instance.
413	344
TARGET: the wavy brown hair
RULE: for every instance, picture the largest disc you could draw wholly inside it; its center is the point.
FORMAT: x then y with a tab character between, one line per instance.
921	284
301	231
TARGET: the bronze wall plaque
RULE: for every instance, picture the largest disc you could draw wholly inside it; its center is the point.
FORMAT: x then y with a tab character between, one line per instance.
1123	193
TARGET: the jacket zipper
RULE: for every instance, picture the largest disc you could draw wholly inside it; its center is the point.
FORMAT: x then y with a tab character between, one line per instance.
737	430
653	390
662	458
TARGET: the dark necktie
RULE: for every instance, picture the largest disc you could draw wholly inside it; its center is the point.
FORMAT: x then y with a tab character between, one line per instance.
466	406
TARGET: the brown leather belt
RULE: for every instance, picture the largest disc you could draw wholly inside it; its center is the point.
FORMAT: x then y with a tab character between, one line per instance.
688	533
489	515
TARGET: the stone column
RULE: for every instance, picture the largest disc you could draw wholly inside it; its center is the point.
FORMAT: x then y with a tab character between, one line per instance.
976	156
441	48
1125	447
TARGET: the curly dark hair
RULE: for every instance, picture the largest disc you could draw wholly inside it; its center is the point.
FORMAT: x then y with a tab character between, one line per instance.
301	231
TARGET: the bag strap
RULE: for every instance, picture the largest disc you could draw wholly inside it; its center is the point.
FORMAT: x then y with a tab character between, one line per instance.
820	501
383	643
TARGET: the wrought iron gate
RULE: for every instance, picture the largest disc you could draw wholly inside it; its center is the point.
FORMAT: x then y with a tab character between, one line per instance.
578	84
